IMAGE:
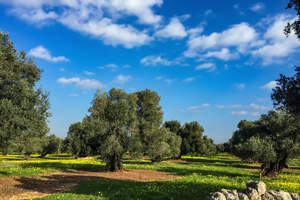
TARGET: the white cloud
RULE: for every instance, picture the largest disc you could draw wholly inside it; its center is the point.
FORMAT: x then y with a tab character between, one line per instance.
94	18
180	110
108	32
141	9
278	45
205	105
174	30
155	60
62	69
89	73
193	107
220	106
66	81
257	107
269	86
242	113
158	78
258	7
121	79
234	106
73	95
89	84
112	66
239	35
83	84
239	113
210	66
41	52
189	80
224	54
240	85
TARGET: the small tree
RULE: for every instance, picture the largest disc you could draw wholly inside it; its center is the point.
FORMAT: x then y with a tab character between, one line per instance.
53	145
115	112
166	145
192	141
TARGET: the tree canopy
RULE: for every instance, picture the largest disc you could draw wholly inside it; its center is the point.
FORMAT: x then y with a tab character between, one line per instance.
273	141
287	94
294	26
23	108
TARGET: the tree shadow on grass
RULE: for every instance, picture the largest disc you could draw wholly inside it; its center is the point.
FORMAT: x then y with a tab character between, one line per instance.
112	189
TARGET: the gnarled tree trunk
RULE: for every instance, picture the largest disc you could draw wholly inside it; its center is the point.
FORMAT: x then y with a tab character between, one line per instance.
115	163
273	169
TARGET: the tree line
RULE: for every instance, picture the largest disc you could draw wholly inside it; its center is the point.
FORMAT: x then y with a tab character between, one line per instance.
121	122
118	122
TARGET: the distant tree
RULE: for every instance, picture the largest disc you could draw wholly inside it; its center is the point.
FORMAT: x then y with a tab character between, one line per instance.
116	113
273	142
53	145
295	26
166	145
220	148
208	146
23	108
192	141
81	139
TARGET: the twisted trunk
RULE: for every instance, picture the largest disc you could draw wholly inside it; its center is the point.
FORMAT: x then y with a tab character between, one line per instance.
272	169
115	163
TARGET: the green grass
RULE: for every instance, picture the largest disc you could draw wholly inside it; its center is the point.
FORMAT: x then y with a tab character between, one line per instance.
199	177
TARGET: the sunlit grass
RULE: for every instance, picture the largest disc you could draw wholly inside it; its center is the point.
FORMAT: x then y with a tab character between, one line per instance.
198	177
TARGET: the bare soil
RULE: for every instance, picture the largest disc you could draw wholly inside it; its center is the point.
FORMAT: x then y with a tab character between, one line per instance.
53	183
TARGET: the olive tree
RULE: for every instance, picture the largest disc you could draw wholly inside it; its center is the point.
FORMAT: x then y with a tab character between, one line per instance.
23	107
272	142
115	114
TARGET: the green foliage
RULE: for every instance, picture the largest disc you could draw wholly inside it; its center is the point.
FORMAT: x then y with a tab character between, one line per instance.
167	144
149	116
53	145
286	94
273	141
24	109
115	112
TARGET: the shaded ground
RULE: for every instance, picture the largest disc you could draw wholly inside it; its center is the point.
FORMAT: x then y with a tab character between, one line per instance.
30	187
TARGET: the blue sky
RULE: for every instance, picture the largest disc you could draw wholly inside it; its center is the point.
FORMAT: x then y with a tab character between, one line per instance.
214	62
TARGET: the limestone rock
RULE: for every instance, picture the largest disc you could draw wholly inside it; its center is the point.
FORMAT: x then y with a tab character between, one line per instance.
243	196
267	196
252	194
275	194
258	185
295	196
284	195
216	196
230	194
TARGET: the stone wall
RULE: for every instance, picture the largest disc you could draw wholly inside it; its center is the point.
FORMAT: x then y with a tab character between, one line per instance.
256	190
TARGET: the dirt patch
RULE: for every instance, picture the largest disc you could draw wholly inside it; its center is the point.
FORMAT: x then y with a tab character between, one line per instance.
30	187
285	170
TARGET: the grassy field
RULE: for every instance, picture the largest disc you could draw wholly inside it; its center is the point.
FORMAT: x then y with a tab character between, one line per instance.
199	177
